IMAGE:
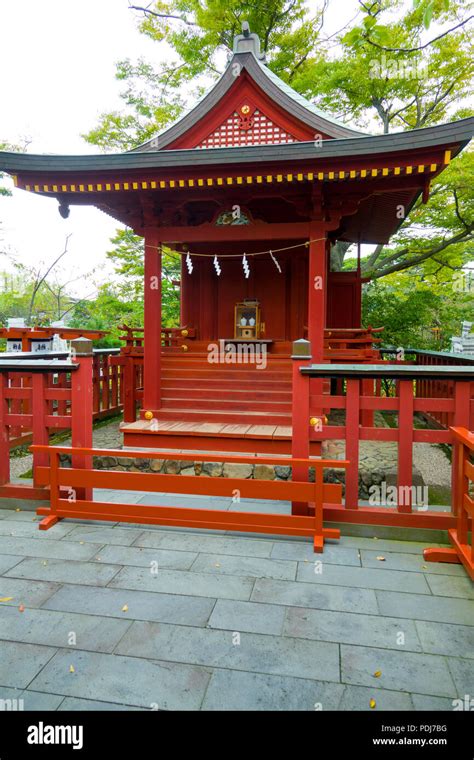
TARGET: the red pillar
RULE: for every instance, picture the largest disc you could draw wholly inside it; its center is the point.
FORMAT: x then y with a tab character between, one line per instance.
152	334
4	432
317	284
82	407
300	418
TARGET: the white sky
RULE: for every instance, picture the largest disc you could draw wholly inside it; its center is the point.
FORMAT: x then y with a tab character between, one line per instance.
57	75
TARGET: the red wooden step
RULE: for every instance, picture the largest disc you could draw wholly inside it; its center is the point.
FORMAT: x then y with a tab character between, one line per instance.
238	418
229	404
253	395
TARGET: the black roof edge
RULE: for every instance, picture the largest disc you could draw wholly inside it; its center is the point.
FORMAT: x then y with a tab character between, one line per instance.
453	134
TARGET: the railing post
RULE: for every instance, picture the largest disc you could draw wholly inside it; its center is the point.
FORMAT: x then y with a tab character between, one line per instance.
4	432
129	381
40	407
405	445
82	407
367	415
300	448
352	442
462	407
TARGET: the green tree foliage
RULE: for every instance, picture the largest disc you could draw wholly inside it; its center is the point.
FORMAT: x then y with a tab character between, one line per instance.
411	308
382	70
121	301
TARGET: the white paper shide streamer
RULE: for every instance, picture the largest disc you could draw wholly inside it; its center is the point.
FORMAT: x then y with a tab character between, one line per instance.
275	261
189	263
217	266
246	267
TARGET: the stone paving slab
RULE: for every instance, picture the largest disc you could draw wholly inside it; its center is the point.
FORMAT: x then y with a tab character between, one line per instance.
256	653
29	659
443	638
127	680
349	628
248	617
239	690
40	701
100	535
228	632
443	585
92	705
362	577
51	549
426	607
142	605
184	582
204	542
30	593
8	561
320	597
462	671
333	554
402	671
409	562
431	704
22	529
139	557
54	629
251	567
388	545
358	698
62	571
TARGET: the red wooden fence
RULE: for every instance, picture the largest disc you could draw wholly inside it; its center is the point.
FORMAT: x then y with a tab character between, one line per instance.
107	386
70	479
312	406
463	506
42	405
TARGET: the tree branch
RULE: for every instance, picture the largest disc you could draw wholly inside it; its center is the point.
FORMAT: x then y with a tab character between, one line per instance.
148	12
419	47
464	235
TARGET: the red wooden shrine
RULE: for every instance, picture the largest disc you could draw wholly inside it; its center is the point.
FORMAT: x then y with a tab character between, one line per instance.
252	186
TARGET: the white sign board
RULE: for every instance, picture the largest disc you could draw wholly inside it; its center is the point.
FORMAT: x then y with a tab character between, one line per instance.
38	346
14	346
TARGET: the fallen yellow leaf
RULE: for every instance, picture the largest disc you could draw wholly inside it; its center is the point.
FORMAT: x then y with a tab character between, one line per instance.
6	599
125	608
71	669
21	608
377	673
17	510
380	558
372	703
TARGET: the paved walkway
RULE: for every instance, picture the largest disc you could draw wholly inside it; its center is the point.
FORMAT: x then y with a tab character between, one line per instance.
113	616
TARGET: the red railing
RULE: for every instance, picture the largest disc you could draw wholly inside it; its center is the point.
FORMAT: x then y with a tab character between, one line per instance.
436	388
316	493
107	387
42	405
463	506
312	408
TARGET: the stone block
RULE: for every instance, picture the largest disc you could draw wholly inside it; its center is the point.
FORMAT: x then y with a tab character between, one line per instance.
264	472
237	470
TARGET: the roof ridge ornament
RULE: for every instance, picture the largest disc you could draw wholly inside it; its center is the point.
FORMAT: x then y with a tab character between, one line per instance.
248	42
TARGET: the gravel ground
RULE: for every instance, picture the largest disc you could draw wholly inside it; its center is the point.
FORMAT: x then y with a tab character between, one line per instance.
104	437
433	464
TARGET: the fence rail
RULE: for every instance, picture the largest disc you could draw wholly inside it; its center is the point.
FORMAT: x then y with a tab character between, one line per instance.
85	477
463	502
107	387
310	423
